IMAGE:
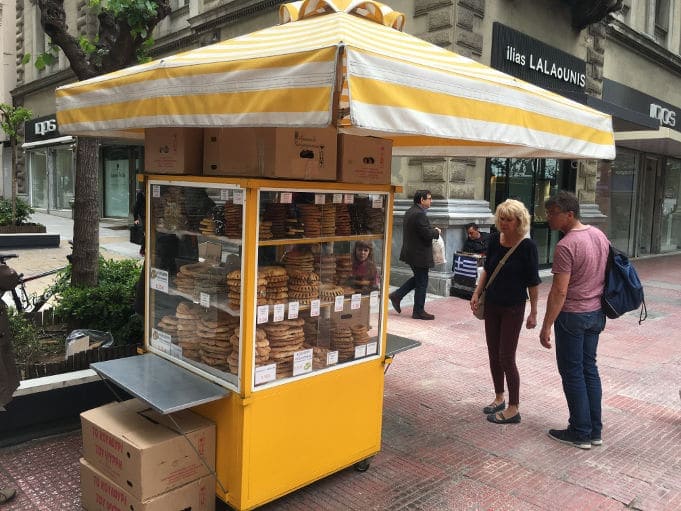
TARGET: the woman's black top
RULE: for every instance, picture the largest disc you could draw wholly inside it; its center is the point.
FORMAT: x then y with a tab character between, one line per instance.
520	271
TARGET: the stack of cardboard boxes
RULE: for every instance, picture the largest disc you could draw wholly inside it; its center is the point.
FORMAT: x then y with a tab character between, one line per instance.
136	459
317	154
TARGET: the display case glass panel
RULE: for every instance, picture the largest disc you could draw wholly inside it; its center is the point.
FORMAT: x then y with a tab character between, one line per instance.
321	257
195	235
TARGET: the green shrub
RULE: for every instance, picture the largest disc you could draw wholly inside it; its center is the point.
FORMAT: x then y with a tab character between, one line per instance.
107	307
23	211
25	338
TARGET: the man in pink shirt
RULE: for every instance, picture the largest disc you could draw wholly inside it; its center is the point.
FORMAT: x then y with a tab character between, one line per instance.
574	310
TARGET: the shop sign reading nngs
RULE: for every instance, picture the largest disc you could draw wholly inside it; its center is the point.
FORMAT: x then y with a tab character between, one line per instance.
42	128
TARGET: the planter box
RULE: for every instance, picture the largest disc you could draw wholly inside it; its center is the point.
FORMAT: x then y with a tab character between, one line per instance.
21	229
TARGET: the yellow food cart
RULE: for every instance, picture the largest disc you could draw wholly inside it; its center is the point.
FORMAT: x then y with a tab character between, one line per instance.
253	316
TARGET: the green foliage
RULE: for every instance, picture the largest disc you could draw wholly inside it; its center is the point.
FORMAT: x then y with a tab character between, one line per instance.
25	338
106	307
12	118
26	59
85	45
23	211
48	57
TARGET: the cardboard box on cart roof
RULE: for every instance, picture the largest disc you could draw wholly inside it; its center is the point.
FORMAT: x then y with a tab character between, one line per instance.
287	153
98	492
364	160
173	150
141	450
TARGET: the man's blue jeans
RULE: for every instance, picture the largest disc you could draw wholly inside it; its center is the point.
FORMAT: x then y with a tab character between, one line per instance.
576	343
419	283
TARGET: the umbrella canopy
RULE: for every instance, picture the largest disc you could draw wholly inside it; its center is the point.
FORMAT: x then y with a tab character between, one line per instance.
345	64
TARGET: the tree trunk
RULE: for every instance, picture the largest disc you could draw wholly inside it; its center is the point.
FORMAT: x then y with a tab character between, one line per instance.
86	215
13	149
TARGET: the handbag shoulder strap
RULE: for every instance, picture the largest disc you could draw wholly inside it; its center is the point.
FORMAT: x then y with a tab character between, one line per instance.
501	263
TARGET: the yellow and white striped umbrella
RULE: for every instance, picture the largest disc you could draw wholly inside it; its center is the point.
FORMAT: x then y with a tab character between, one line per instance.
343	63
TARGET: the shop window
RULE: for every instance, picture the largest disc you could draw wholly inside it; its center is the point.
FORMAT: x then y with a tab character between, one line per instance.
670	228
64	179
622	185
37	174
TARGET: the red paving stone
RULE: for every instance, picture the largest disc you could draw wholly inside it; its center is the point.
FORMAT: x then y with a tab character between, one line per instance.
439	452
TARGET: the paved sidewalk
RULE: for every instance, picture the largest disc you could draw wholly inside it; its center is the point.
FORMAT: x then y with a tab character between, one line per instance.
113	244
439	452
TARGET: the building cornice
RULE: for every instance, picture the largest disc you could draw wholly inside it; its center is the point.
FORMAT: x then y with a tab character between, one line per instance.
50	81
202	26
643	44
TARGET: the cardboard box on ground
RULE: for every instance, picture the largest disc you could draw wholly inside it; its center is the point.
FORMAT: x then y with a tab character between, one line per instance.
98	492
317	154
141	450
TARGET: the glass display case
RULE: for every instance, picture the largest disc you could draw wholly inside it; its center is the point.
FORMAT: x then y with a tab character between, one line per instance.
195	240
316	281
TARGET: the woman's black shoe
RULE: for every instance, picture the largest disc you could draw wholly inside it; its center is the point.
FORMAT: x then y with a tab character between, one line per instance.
494	408
500	419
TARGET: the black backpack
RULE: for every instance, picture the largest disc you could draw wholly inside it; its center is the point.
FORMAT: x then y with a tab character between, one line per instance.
623	291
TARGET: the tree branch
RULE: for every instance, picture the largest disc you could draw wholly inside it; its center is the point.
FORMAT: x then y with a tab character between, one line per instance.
53	20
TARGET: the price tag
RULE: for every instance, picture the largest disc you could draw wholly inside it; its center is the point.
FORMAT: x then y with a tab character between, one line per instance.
355	301
293	308
156	191
348	198
279	310
263	314
264	374
337	198
159	280
224	194
319	198
373	299
372	348
314	307
286	198
204	299
377	202
238	197
331	358
302	362
175	351
361	351
160	340
338	304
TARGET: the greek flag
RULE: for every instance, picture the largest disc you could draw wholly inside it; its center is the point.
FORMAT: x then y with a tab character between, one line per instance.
466	266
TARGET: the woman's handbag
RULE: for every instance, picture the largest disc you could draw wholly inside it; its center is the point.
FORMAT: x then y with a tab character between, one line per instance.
439	251
480	311
137	234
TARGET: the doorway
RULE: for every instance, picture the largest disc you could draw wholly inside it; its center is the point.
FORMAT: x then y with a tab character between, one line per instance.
531	181
649	205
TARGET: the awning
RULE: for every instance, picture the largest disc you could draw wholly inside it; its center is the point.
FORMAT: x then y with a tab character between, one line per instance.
664	141
428	100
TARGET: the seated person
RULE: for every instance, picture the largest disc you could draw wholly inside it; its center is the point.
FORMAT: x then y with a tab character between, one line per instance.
476	241
364	272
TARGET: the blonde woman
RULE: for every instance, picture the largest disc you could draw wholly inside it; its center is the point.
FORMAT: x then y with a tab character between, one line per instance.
505	301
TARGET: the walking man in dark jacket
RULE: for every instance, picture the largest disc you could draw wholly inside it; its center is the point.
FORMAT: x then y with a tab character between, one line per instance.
417	252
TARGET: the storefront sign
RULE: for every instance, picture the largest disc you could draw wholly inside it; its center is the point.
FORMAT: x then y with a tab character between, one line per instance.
42	128
533	61
619	94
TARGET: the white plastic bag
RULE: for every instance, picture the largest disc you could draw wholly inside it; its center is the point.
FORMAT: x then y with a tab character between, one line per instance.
439	256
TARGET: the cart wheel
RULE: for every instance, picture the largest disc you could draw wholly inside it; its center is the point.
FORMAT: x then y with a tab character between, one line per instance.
363	466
